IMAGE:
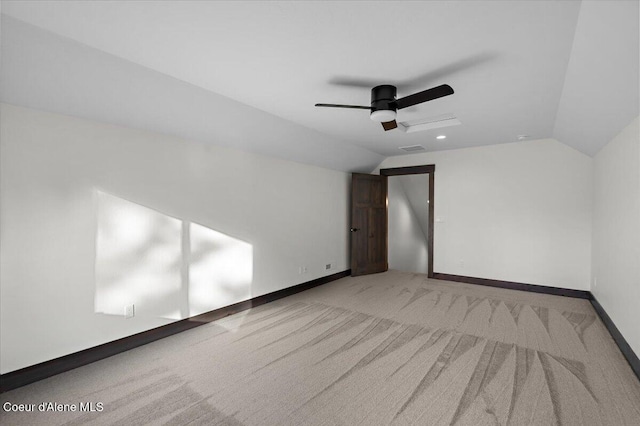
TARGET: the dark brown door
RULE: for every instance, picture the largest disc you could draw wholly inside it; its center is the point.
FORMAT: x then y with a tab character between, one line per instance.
368	224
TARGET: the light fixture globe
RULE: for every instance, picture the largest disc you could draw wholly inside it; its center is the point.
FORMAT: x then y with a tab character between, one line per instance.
383	115
383	108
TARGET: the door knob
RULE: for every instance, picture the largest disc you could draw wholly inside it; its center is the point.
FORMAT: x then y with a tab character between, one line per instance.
354	229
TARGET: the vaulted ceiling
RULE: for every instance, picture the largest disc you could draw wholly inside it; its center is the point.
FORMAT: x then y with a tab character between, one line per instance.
561	69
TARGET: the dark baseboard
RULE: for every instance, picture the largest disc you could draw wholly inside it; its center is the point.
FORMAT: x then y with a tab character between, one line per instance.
558	291
24	376
626	350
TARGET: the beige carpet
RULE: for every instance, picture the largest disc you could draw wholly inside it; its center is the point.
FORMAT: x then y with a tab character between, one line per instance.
390	348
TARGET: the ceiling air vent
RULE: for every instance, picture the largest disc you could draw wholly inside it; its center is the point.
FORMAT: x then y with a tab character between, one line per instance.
444	120
412	148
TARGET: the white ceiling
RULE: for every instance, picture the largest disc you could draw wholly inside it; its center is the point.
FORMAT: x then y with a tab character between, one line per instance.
507	61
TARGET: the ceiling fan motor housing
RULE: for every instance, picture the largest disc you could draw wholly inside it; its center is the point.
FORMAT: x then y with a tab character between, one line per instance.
383	98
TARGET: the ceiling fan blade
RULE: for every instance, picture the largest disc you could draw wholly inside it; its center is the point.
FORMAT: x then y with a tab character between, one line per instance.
389	125
343	106
424	96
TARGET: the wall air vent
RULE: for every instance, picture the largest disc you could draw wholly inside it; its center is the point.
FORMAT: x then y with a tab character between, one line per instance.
413	148
444	120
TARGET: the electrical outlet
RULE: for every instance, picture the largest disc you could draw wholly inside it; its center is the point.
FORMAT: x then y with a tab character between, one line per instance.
129	311
302	270
327	266
461	263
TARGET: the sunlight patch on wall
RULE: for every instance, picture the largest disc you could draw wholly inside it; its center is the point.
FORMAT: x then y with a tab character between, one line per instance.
164	266
220	270
137	258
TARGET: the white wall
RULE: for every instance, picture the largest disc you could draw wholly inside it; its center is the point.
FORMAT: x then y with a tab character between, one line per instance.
407	242
616	232
62	177
517	212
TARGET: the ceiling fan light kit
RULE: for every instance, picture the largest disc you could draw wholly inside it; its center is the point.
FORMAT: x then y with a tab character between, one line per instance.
384	105
383	115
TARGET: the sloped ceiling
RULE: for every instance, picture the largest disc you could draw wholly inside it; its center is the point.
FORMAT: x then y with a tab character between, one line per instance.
562	69
600	92
44	71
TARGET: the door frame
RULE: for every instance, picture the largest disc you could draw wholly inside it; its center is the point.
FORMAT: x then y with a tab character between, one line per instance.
429	169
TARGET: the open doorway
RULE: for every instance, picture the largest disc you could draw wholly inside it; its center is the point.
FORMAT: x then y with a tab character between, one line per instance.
410	218
408	223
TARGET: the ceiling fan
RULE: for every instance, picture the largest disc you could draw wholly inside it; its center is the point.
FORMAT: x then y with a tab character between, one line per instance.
384	105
